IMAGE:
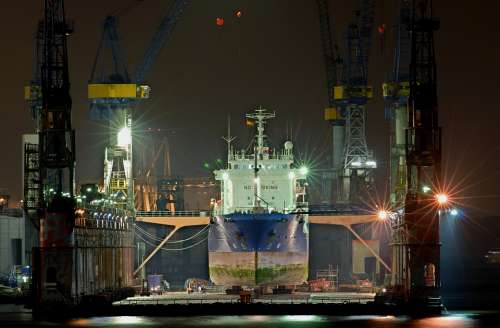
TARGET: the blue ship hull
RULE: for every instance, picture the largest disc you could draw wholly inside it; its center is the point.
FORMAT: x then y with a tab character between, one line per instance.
258	249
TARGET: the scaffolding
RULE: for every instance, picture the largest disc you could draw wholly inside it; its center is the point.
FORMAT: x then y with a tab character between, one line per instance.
331	274
31	178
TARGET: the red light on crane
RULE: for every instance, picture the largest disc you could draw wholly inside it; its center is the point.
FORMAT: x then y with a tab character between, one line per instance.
219	21
381	29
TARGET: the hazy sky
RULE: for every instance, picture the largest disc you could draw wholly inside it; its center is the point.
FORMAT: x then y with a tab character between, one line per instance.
270	57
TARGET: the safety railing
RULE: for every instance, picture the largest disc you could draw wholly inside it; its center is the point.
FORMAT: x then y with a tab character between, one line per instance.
15	212
270	301
169	213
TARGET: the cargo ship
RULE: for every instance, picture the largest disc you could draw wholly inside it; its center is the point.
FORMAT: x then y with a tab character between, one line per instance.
259	228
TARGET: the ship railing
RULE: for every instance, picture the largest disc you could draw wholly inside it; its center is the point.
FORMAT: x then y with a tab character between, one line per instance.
165	300
169	213
103	224
265	157
301	207
15	212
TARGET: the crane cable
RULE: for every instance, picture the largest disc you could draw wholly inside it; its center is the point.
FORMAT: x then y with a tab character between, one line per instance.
155	238
173	249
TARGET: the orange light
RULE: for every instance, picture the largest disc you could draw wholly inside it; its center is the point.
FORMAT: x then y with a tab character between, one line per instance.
238	13
219	21
442	199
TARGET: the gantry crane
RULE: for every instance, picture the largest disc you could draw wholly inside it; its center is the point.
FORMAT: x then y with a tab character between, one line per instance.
353	94
113	96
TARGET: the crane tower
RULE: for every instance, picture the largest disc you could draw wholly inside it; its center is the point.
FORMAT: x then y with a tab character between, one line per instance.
353	95
113	96
396	92
348	93
423	161
52	261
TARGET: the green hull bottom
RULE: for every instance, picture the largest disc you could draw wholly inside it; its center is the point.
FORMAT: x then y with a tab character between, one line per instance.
273	268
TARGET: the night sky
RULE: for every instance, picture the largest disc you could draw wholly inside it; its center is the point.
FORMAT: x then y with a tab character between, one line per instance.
271	57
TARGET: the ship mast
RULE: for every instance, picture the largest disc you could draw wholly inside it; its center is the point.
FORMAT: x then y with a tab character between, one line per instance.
228	140
259	117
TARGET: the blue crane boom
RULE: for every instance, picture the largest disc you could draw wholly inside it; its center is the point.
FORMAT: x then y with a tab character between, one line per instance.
160	38
333	61
365	22
114	95
332	187
117	89
111	39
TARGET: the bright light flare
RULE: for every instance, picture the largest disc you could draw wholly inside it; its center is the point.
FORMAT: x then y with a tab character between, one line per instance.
383	215
124	137
304	170
442	199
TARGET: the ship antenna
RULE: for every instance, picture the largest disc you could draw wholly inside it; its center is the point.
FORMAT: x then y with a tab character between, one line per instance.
229	138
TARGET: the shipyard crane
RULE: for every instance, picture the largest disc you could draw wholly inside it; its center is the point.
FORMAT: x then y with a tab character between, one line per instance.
56	158
416	246
353	94
423	163
396	91
113	96
56	135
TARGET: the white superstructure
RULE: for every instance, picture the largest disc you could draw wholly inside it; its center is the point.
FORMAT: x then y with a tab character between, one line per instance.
264	180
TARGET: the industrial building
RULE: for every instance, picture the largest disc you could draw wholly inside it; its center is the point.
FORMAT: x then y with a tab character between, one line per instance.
12	240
